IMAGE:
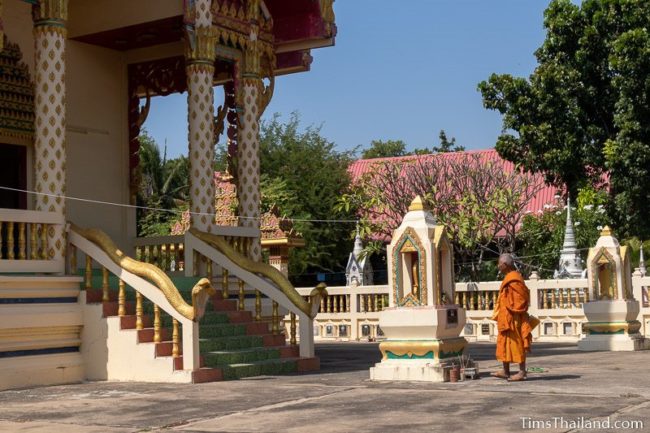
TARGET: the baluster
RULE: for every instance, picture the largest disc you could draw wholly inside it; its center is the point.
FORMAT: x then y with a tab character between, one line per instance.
577	297
542	298
322	305
105	297
22	245
175	339
89	272
329	303
362	303
172	257
376	302
561	296
476	301
457	298
121	299
138	311
33	248
553	299
163	256
156	324
225	280
347	303
10	240
586	289
275	319
258	305
44	253
242	296
483	300
292	333
495	296
73	259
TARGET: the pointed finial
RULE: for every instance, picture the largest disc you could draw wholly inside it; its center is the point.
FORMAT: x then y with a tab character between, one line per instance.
417	204
606	231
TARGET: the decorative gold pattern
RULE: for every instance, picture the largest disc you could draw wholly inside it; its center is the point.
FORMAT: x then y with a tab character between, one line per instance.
50	115
398	290
420	348
631	327
266	271
200	293
16	94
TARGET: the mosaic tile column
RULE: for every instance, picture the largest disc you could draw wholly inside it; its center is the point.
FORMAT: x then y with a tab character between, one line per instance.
50	109
200	55
248	164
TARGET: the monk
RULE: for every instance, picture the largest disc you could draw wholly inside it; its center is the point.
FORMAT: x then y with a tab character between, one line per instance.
513	323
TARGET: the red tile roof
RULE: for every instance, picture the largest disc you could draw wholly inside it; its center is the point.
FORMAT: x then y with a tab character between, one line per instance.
544	196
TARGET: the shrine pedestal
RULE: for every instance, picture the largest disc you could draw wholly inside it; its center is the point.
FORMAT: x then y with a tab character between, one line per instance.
421	342
612	326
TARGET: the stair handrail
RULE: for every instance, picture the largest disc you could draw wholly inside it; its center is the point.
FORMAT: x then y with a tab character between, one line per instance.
310	309
201	292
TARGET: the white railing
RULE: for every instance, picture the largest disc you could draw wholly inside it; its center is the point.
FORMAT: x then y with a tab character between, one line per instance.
24	241
195	247
641	292
349	312
190	328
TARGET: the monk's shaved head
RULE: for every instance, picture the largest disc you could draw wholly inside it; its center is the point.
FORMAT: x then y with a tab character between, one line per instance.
507	260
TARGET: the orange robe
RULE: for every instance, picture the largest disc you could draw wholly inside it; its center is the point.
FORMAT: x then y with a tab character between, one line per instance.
513	322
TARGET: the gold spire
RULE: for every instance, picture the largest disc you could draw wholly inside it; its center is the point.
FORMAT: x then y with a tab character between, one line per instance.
417	204
606	231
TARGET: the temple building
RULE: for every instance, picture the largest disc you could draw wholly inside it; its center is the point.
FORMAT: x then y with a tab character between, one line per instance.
76	83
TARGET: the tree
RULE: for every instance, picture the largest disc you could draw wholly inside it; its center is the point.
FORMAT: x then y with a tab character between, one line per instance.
542	233
306	174
479	202
447	145
583	111
163	188
384	149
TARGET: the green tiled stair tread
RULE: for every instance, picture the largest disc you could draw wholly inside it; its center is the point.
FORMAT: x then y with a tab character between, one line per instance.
260	368
210	318
240	356
230	343
222	330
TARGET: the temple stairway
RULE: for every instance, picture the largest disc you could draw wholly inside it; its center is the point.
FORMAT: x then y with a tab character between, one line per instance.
232	344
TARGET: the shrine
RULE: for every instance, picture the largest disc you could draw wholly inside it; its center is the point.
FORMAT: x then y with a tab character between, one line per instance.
422	324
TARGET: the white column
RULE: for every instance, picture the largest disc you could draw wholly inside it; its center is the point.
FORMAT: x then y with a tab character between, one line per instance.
50	109
200	55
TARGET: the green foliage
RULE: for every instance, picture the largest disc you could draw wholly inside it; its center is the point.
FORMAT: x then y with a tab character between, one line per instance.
542	234
584	109
447	145
305	174
384	149
163	187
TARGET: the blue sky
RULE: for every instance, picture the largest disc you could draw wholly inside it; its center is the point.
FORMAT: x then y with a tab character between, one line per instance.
397	72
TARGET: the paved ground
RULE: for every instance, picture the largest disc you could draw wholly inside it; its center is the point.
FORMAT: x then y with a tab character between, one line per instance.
593	387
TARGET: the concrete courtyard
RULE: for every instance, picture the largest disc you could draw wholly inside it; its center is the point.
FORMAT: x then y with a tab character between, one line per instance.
567	388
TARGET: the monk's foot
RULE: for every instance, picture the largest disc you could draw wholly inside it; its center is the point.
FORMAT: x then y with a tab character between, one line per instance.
500	374
518	377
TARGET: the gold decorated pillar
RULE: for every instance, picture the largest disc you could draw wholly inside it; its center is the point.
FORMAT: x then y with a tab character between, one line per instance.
253	98
200	53
50	34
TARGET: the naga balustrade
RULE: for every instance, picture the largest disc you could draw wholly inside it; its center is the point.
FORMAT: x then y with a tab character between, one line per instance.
157	289
24	241
231	258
